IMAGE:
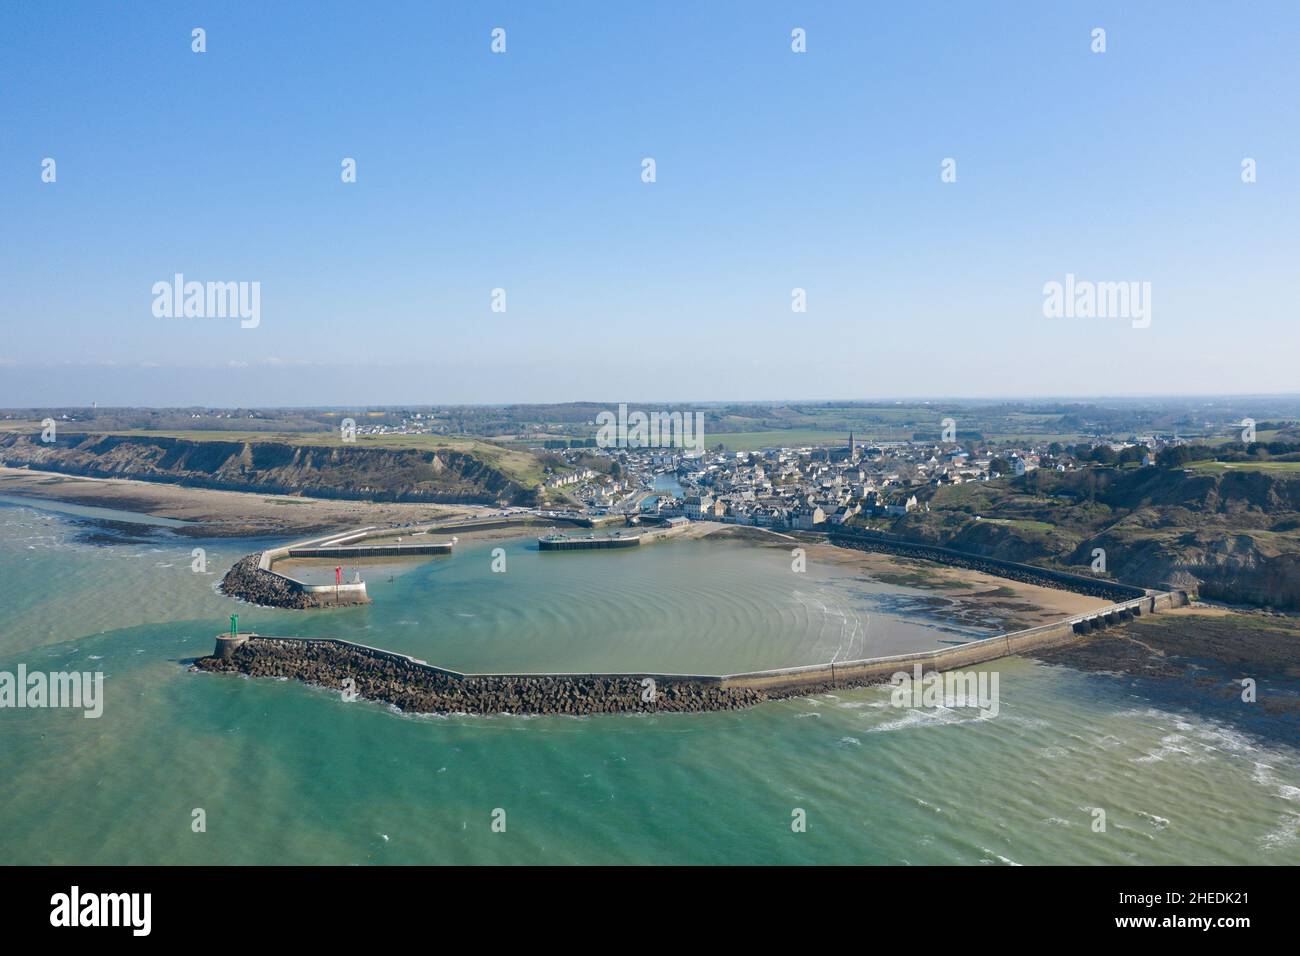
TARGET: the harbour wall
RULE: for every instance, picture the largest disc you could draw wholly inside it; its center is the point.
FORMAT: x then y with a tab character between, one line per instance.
587	544
249	581
254	579
879	669
523	521
1015	571
372	551
416	686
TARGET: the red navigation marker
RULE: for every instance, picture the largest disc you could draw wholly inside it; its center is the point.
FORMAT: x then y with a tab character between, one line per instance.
338	575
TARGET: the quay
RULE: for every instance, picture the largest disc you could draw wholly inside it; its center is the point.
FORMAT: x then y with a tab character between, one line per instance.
371	550
254	579
560	542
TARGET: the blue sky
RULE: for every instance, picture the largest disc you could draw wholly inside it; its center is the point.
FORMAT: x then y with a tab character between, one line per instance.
522	171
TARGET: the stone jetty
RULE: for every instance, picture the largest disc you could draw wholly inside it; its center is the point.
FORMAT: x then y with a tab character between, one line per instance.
248	581
415	687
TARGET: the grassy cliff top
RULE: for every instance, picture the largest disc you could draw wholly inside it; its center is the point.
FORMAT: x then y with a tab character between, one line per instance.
518	464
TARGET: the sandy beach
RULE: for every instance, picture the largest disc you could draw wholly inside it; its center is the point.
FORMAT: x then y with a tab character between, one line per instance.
1024	605
220	514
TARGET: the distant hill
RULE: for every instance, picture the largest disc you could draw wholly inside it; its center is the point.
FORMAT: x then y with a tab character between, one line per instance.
414	470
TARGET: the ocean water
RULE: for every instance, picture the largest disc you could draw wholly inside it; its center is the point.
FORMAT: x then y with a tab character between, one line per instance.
285	773
679	606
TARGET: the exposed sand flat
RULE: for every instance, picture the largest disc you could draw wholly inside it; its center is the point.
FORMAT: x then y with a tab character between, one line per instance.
223	513
1031	604
1052	604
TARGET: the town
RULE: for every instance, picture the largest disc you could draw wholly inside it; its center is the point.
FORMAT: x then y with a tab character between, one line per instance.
808	487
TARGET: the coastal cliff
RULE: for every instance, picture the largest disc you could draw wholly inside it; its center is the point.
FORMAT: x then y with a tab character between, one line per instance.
1233	536
443	475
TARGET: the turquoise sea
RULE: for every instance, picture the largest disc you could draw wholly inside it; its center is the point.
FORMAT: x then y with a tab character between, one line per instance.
286	773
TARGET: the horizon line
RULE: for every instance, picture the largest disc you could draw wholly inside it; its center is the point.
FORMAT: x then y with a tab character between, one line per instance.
700	402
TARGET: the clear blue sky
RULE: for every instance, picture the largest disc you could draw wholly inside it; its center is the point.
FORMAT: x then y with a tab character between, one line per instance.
522	171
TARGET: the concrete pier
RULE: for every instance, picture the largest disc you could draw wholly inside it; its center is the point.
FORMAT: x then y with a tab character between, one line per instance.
352	552
562	543
254	578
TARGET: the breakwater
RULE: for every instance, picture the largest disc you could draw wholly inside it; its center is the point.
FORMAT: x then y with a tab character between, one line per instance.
249	581
253	578
562	543
1015	571
416	686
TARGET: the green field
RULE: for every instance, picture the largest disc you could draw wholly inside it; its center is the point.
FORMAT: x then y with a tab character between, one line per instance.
1269	467
1263	435
788	437
519	464
1023	524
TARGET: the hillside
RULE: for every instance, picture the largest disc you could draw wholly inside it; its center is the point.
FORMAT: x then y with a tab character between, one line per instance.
320	466
1233	535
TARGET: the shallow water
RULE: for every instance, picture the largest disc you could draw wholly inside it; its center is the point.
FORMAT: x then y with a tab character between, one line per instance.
678	606
89	511
292	774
